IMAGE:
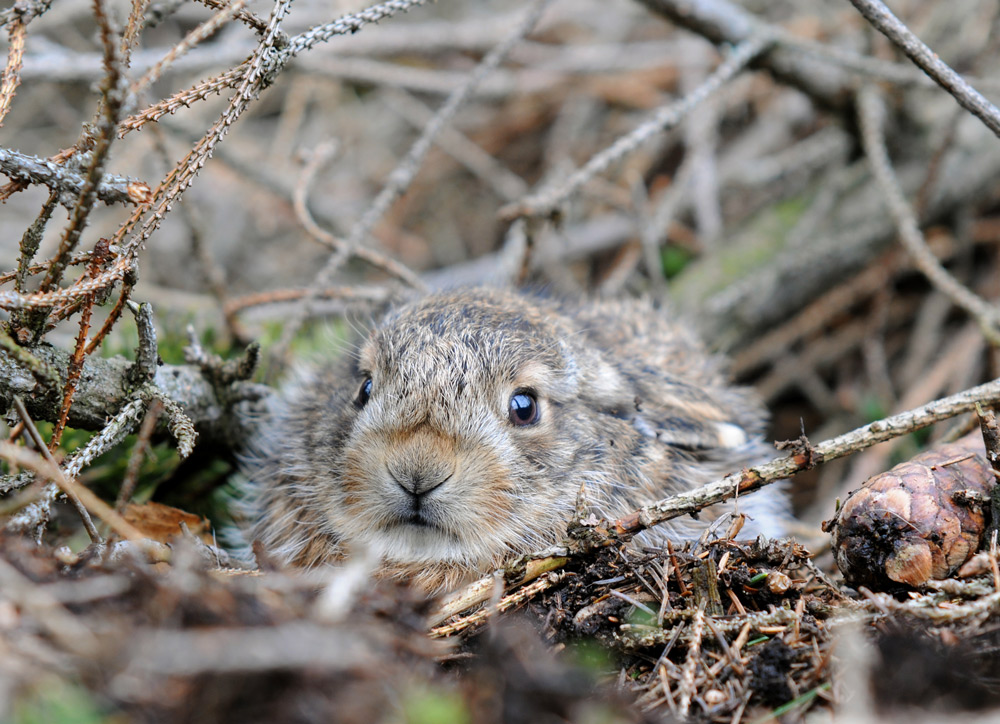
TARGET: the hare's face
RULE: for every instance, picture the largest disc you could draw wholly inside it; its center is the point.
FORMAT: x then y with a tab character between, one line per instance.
454	435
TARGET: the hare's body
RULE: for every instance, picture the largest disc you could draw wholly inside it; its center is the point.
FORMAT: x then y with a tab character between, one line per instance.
462	432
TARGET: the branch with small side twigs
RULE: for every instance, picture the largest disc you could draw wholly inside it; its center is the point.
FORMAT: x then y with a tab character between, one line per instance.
279	56
65	483
199	34
588	538
43	449
244	16
109	109
17	33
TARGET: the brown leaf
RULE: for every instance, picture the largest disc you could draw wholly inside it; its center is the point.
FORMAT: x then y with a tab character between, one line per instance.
163	522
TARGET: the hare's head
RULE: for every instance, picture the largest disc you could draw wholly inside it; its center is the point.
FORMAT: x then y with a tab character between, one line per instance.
464	428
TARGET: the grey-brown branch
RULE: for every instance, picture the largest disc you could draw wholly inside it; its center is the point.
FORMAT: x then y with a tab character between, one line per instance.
105	388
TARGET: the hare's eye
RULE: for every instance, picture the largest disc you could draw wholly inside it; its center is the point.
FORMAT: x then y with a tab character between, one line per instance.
364	393
523	408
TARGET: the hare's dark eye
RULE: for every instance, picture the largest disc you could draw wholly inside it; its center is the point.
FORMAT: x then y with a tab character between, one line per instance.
523	408
364	393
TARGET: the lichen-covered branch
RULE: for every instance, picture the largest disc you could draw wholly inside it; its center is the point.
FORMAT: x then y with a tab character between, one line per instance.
68	183
104	388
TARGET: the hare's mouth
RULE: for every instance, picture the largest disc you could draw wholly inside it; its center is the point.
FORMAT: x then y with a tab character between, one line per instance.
417	539
410	515
418	520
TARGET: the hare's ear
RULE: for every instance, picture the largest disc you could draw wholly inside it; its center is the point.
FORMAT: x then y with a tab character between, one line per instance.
696	436
689	418
604	389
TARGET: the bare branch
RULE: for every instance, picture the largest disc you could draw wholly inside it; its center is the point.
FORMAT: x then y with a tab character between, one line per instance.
43	449
871	112
200	33
242	15
722	21
885	22
107	118
405	171
548	201
380	261
350	24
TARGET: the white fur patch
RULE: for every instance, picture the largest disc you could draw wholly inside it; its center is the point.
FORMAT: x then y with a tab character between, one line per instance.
731	436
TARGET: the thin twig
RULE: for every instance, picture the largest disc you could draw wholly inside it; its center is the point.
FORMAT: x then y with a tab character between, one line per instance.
200	33
403	174
213	273
138	456
691	662
17	34
880	16
183	99
66	483
368	295
320	156
505	603
350	24
548	201
242	15
36	515
59	479
871	112
73	373
279	55
133	27
507	184
112	319
111	103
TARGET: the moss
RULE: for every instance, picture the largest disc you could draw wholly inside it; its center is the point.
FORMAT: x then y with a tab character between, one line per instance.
59	702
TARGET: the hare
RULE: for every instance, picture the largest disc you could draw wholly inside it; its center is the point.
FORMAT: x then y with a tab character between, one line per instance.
467	424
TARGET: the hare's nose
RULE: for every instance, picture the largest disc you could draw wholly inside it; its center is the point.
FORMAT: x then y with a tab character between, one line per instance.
416	481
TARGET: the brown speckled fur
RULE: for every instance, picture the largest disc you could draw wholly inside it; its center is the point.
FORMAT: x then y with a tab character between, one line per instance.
632	408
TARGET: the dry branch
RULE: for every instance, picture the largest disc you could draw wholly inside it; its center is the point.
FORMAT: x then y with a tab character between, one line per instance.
68	183
871	112
404	173
854	234
54	473
968	97
722	21
548	201
104	388
17	33
588	538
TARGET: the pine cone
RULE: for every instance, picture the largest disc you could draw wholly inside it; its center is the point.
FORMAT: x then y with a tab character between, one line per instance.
905	525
